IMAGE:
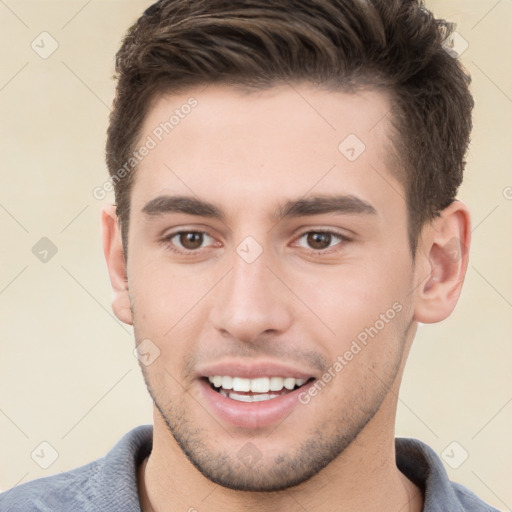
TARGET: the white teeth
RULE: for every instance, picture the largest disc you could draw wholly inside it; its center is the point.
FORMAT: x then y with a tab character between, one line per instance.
260	397
289	383
241	384
276	383
250	398
240	398
227	382
258	385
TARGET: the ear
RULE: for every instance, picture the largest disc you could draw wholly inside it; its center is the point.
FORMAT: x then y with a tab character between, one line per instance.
441	263
116	263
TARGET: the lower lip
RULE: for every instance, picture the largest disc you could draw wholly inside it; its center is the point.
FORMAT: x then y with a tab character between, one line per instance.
251	415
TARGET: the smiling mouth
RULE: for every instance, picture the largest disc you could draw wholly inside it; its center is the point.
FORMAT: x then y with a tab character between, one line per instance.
259	389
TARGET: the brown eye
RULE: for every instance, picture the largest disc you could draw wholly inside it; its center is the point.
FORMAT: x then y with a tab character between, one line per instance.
319	240
190	240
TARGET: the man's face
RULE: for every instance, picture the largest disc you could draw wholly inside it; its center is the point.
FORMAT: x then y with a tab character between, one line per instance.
267	249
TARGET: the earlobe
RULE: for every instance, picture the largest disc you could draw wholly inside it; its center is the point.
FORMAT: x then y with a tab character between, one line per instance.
442	259
116	264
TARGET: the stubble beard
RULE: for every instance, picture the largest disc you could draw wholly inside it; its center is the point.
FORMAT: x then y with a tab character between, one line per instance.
320	446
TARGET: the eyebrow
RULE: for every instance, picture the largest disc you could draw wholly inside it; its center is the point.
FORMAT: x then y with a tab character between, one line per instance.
182	204
342	204
317	205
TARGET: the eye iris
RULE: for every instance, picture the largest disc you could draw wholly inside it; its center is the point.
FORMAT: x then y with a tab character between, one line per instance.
191	240
319	240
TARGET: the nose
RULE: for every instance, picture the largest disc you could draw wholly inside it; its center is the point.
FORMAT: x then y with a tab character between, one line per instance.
251	302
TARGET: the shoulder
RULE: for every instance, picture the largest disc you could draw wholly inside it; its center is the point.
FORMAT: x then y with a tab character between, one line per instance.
54	493
421	464
470	501
107	484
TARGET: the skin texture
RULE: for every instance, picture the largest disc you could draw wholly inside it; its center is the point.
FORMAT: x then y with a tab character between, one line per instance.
248	154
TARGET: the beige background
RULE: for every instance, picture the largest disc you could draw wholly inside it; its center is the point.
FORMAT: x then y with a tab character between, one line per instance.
68	376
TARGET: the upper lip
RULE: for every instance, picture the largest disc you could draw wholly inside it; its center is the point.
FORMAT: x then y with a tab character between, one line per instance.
252	370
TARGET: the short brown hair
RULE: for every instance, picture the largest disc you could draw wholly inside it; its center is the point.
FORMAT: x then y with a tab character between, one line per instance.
392	44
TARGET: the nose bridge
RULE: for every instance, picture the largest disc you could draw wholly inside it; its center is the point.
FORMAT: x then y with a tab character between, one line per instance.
250	302
249	280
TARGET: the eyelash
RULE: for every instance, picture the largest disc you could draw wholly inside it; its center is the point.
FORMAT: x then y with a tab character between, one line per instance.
167	240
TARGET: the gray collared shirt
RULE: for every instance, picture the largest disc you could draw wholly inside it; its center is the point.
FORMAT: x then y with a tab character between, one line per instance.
109	484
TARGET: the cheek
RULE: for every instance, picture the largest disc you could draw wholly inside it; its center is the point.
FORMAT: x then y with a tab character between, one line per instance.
163	292
169	308
352	292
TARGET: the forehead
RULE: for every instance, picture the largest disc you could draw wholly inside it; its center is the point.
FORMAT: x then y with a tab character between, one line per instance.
251	149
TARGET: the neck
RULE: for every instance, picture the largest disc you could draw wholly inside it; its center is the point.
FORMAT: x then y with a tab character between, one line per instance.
364	478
